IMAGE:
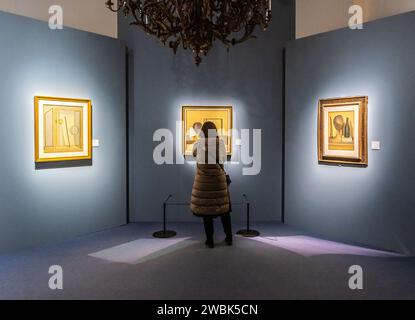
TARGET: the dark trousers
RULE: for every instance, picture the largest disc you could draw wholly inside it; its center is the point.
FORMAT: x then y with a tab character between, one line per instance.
226	223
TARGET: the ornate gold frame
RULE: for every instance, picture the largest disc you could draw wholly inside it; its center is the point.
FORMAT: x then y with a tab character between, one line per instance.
228	108
362	160
89	119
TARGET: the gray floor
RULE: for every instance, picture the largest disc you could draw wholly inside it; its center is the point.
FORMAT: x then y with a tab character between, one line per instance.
250	269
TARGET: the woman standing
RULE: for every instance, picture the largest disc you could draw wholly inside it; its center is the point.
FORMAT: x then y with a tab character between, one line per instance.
210	195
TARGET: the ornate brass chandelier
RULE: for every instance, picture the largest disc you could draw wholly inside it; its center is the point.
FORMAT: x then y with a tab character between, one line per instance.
197	24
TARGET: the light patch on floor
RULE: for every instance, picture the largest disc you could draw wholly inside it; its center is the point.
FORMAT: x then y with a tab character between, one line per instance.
308	247
141	250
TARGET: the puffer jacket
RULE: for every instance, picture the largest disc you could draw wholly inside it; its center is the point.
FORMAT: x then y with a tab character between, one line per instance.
210	195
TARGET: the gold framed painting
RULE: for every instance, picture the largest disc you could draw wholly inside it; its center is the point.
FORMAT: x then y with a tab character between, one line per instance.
342	131
194	117
63	129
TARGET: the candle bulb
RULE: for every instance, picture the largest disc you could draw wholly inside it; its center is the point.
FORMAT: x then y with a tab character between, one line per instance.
270	5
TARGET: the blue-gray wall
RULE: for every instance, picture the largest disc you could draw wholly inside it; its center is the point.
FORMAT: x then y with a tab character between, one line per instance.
374	205
249	78
40	206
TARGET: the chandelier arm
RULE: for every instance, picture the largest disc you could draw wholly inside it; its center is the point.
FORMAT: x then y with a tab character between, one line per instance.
166	29
110	5
197	24
140	23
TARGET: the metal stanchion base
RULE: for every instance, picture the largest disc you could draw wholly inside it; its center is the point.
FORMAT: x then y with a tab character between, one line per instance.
248	233
164	234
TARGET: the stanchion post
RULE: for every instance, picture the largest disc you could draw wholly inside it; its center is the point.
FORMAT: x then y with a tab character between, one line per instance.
164	216
247	216
163	234
248	232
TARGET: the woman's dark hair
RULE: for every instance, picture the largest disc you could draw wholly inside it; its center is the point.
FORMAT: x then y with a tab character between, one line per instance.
209	130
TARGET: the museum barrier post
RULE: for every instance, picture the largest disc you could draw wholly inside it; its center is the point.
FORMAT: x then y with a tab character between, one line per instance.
163	234
248	232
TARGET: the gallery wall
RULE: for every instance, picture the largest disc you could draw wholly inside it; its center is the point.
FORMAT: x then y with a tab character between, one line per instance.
43	205
373	205
249	78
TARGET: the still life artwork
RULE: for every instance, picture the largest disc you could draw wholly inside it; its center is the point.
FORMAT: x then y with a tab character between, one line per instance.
63	129
195	117
342	131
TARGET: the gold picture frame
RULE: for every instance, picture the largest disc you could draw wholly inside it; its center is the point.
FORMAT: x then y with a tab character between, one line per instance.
342	131
63	129
222	116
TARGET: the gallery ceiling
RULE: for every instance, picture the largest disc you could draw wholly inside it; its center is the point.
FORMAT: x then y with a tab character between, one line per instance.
91	15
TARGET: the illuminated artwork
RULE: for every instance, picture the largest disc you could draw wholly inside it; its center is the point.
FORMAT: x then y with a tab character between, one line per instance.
342	131
63	129
195	117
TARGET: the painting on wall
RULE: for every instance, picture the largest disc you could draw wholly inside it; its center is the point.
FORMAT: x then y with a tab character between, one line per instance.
195	117
342	131
63	129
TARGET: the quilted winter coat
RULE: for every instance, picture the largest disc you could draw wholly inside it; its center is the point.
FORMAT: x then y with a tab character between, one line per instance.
210	196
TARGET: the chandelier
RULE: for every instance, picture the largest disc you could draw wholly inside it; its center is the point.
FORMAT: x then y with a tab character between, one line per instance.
196	24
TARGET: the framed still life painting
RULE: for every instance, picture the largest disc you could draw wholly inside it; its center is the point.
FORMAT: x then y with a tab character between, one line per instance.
342	131
193	119
63	129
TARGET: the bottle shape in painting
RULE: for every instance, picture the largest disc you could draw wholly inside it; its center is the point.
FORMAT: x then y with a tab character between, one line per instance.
347	129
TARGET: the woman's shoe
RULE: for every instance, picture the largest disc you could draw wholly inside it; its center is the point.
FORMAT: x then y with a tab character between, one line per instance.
229	241
210	244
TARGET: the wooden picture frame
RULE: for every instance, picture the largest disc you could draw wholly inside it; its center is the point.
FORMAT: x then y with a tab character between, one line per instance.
197	115
63	129
342	131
